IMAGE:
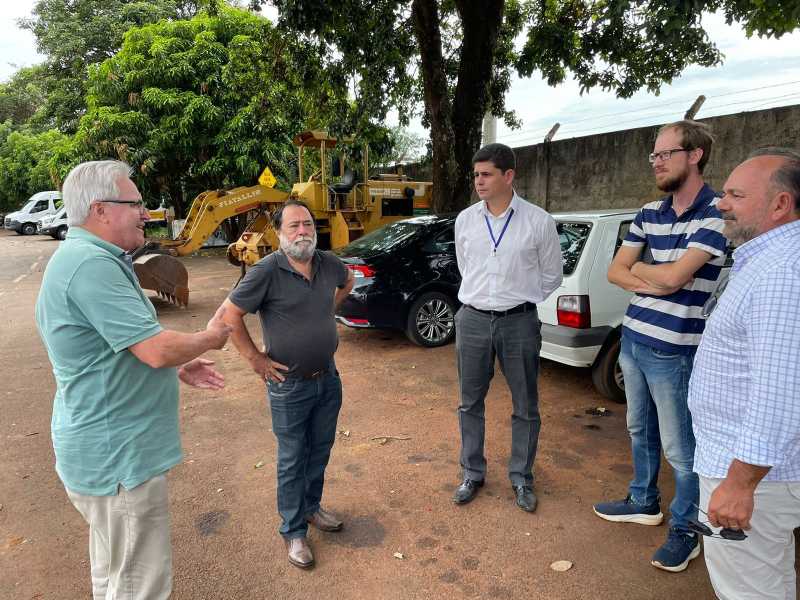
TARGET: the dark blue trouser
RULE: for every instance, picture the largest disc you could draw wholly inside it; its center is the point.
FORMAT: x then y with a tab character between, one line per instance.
304	415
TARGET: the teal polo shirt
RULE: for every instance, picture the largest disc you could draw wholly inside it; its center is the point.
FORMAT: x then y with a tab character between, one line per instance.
115	419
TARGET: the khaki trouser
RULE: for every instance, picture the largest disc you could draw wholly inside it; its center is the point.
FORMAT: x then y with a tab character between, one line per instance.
129	541
761	566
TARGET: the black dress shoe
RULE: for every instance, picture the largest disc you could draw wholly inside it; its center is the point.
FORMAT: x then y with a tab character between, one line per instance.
466	491
526	499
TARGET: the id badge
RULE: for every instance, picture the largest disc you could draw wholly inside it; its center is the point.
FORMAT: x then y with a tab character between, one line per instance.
493	264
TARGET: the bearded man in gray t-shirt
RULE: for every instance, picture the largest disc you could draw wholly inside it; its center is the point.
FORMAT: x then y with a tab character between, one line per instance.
295	292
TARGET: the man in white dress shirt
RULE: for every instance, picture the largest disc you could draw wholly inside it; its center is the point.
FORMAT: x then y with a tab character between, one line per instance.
510	258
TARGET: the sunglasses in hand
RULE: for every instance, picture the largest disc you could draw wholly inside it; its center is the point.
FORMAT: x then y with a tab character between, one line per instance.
725	533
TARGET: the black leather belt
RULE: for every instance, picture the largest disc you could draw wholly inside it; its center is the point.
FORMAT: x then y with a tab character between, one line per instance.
312	375
520	308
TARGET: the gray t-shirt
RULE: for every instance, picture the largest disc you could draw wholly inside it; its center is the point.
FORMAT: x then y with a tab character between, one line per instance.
297	315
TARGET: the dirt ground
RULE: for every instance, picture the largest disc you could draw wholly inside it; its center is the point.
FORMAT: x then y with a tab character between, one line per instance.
394	497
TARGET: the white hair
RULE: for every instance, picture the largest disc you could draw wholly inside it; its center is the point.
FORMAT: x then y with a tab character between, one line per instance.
89	182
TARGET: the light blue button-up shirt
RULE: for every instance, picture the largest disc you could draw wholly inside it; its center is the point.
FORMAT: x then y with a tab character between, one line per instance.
744	393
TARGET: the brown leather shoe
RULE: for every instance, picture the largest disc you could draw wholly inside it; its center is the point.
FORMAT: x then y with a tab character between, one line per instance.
300	552
325	521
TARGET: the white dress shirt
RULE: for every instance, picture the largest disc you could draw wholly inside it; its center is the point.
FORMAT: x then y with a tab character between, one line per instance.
526	266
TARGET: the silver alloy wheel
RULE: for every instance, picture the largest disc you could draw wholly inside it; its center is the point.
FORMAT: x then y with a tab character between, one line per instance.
619	378
435	320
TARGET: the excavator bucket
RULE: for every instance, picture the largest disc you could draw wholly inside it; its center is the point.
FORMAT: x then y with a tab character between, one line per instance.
166	275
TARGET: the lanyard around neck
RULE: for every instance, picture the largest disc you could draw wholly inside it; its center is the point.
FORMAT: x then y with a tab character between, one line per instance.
497	241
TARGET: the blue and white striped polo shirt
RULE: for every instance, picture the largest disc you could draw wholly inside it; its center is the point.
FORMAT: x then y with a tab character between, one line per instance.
674	323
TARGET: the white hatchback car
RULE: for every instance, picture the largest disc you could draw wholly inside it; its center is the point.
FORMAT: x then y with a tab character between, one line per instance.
582	319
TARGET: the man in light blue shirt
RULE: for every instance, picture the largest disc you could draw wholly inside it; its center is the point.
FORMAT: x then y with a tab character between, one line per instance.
744	393
115	413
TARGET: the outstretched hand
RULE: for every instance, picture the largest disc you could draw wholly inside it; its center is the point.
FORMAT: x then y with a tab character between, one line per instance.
199	373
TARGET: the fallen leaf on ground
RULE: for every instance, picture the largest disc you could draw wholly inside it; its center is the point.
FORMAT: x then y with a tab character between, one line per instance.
15	541
561	566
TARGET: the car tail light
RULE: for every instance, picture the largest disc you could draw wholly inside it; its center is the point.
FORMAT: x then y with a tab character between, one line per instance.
573	311
361	270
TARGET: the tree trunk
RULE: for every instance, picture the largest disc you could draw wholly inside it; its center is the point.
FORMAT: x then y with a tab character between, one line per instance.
456	126
425	15
480	23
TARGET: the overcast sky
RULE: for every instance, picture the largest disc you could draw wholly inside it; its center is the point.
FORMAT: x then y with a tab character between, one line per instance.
756	73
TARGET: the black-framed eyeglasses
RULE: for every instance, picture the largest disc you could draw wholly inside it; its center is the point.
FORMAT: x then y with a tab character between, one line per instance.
137	204
726	533
665	155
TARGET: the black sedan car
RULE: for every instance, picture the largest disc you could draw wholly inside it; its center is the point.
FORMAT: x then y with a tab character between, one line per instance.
406	278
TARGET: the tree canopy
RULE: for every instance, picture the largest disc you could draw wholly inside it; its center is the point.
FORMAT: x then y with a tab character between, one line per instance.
75	34
206	102
458	56
27	164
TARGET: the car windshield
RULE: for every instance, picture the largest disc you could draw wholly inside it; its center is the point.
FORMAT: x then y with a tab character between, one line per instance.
384	239
29	205
572	237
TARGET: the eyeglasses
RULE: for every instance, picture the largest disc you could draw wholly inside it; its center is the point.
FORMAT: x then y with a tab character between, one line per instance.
711	303
137	204
726	533
665	155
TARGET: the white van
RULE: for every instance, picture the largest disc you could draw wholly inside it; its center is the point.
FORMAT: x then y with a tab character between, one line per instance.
39	205
54	225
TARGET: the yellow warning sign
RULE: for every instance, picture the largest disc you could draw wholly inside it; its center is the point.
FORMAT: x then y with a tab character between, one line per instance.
267	179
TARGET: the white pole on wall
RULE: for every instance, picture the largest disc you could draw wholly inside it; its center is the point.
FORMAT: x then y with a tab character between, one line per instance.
489	129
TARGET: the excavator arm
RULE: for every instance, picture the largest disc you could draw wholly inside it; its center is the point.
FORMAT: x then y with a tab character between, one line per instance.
211	208
156	266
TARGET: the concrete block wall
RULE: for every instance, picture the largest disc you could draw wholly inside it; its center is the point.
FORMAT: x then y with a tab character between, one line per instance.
610	170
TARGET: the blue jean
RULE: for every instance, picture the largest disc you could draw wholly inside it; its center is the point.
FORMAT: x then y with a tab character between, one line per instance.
304	416
656	387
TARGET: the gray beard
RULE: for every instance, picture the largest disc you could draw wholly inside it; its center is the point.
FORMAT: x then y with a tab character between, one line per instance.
736	234
299	249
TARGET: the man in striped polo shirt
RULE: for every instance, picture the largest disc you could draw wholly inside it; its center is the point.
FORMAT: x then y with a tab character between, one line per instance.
661	331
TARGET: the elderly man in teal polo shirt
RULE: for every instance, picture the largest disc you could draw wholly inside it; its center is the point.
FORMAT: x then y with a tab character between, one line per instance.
115	413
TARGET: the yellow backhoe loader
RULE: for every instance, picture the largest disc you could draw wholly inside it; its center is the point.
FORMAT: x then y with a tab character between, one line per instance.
344	208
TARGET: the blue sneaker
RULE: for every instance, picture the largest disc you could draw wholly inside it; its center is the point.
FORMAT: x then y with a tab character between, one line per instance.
677	551
627	511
